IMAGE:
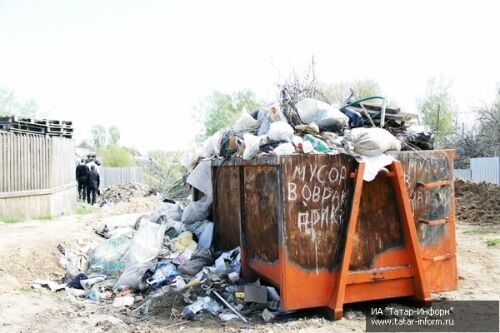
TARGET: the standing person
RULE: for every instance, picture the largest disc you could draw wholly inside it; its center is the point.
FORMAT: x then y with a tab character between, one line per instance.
81	178
93	182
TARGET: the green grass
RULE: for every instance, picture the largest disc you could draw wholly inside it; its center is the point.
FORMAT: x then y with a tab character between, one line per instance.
493	242
477	232
10	220
82	210
43	218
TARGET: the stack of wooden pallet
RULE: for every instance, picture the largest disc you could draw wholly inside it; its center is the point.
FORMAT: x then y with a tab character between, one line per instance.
48	127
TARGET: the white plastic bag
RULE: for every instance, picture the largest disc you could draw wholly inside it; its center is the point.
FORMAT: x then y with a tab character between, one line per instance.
106	226
201	177
144	248
284	149
107	258
252	143
280	131
307	147
245	123
212	145
268	115
169	211
197	210
206	235
326	116
371	141
189	159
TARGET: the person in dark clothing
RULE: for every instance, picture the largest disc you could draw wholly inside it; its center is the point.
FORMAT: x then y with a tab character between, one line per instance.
81	178
93	182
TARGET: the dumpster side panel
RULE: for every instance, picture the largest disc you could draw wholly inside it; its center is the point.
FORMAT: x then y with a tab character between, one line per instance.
226	207
378	232
317	191
436	203
262	208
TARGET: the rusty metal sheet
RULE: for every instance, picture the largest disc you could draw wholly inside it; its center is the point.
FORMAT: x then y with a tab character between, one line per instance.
262	208
226	207
435	203
379	225
311	242
317	192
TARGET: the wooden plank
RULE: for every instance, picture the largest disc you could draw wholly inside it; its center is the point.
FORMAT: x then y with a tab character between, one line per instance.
17	194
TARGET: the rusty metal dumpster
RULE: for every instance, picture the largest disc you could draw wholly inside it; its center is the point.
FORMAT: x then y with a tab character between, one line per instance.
291	216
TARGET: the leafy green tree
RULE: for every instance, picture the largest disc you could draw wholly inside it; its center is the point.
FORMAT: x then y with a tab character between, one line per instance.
7	102
339	93
221	110
115	156
98	133
437	108
164	172
85	144
114	135
11	106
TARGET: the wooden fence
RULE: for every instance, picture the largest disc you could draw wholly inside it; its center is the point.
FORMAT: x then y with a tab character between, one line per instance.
37	175
112	176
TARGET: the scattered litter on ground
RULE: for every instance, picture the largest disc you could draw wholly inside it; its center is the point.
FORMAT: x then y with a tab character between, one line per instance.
158	264
50	285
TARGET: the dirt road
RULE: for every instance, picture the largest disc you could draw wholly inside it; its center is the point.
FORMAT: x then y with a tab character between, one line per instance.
28	251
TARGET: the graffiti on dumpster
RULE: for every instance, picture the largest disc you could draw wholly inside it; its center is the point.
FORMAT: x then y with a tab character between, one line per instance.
322	193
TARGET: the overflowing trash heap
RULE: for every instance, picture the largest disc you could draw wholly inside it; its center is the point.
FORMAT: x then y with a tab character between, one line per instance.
163	263
312	126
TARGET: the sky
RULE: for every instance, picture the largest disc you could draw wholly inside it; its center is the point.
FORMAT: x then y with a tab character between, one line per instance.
144	66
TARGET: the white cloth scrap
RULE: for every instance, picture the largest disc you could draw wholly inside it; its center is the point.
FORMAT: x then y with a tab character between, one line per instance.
373	165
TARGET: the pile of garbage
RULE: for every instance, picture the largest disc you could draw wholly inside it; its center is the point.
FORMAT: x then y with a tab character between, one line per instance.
477	203
357	129
163	263
123	192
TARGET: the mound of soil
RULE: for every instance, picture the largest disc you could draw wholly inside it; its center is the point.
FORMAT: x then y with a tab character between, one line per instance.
124	192
477	203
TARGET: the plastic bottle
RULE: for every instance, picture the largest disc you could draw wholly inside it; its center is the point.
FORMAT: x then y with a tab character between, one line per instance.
318	144
94	295
189	311
165	273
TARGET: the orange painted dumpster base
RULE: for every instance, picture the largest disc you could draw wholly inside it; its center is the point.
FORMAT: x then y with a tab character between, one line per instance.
400	280
398	272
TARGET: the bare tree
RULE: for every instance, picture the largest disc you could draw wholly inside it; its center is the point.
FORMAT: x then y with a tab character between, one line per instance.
482	139
295	88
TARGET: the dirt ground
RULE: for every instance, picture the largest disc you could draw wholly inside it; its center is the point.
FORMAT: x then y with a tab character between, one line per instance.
28	251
